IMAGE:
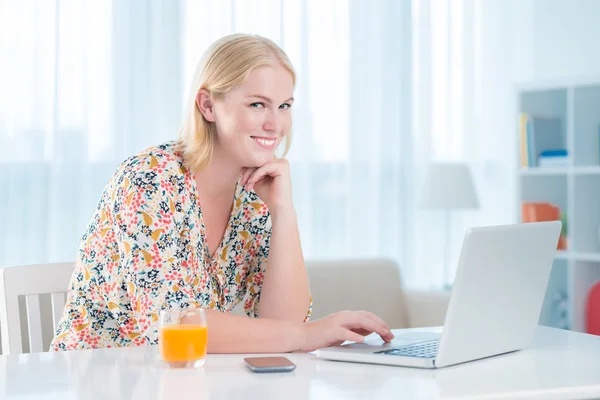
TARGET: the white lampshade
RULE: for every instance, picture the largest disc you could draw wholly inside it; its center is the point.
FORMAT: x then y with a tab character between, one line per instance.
449	186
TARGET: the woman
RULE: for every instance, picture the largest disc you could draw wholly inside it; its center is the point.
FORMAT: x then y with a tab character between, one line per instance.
207	221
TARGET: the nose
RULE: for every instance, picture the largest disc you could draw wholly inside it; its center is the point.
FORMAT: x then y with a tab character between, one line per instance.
272	122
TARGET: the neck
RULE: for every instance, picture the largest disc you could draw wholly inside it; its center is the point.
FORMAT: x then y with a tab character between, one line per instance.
218	179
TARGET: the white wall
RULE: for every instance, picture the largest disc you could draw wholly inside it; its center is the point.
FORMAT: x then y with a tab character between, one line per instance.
565	40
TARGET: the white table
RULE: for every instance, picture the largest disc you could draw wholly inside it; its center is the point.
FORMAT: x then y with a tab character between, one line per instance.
559	365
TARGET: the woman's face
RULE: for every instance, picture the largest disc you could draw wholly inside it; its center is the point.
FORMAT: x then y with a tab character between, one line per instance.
253	118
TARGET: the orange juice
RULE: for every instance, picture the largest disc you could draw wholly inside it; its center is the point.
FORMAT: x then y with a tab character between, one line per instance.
183	343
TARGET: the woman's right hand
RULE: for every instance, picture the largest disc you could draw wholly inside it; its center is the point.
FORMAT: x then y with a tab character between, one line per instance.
339	327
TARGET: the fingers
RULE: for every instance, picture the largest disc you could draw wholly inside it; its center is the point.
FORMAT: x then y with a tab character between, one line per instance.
369	322
273	169
388	335
346	334
246	174
267	169
375	318
374	326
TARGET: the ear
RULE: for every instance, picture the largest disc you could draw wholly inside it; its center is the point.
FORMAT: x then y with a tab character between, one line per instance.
205	104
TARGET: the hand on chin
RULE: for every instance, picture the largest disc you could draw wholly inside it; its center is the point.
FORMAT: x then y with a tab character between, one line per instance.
271	182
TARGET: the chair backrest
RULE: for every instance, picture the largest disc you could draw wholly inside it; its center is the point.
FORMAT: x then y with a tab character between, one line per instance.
30	281
372	285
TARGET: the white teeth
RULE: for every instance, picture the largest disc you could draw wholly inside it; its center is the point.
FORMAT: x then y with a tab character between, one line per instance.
265	142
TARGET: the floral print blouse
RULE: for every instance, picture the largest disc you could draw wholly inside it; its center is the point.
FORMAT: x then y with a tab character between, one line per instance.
145	249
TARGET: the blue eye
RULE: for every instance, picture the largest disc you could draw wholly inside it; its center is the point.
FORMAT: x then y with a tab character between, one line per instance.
257	105
285	106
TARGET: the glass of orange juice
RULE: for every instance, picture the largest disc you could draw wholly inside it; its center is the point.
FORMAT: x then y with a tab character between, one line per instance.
183	337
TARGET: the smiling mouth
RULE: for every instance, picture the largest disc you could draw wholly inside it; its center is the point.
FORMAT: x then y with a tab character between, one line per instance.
265	142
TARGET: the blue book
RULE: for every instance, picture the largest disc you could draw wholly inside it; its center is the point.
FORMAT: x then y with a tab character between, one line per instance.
554	153
544	135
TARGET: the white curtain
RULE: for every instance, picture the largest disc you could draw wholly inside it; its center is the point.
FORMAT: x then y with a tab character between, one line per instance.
350	154
465	62
85	83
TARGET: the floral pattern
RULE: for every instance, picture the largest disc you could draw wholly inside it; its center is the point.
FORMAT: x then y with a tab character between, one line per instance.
145	249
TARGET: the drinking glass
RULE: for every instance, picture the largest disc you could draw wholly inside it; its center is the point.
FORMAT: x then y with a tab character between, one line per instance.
183	337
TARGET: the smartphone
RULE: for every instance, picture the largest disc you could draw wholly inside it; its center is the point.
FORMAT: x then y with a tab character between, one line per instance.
269	364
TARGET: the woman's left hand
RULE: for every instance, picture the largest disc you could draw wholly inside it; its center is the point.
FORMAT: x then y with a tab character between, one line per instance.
272	183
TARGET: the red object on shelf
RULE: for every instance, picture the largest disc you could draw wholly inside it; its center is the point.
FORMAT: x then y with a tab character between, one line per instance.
593	310
542	211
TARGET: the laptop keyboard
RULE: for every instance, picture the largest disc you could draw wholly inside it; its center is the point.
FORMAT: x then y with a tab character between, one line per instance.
420	350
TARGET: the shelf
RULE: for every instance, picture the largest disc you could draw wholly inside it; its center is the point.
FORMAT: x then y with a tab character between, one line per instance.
586	125
548	171
544	188
557	288
554	84
573	186
585	215
577	256
544	171
580	256
562	255
583	276
591	170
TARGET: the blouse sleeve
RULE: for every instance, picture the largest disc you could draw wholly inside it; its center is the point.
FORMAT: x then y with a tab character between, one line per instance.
255	278
157	275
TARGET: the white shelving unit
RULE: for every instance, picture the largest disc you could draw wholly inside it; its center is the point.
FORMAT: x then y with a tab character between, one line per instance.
575	188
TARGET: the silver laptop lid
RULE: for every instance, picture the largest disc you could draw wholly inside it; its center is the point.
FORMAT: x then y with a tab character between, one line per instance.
499	290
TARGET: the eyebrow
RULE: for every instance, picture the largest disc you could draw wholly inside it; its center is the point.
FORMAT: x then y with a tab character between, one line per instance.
268	99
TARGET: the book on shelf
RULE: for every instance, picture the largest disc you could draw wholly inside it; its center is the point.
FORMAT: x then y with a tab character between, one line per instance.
542	141
553	159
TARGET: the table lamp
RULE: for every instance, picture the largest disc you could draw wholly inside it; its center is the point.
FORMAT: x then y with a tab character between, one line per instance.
448	187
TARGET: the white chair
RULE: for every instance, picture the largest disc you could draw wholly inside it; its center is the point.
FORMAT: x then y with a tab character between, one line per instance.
30	281
373	285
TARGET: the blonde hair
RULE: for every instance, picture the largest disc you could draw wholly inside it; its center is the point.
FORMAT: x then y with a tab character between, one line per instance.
224	65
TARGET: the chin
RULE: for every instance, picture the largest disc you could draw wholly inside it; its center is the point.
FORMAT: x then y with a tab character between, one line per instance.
258	160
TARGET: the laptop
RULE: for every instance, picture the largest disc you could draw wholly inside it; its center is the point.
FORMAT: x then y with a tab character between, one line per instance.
494	307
